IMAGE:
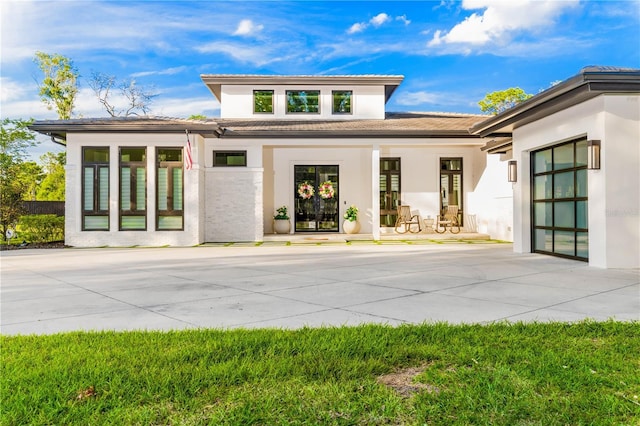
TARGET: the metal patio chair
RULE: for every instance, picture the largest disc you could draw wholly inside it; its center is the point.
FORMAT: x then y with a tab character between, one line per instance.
406	221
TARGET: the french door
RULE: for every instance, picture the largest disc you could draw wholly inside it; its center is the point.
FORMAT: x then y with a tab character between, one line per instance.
451	185
389	190
316	195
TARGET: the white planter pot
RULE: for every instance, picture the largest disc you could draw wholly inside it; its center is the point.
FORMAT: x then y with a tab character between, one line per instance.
351	227
281	226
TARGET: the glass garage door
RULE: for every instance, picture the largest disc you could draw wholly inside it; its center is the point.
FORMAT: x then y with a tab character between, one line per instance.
559	194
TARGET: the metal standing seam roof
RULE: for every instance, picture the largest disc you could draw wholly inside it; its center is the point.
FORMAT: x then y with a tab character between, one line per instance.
215	81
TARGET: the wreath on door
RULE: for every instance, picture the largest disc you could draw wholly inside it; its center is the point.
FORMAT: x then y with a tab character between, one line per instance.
305	190
326	190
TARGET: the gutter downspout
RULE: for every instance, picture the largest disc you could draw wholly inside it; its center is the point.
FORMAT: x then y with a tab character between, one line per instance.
59	142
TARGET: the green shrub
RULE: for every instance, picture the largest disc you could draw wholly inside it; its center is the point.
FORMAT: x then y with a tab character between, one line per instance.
41	228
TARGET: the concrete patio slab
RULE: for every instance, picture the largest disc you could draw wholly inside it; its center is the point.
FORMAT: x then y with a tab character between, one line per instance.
296	285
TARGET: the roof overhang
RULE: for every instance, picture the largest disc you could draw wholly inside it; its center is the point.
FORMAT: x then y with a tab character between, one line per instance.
59	129
500	145
215	81
348	134
589	83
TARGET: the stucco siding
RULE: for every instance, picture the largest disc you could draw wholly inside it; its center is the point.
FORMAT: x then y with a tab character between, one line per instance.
614	200
367	102
76	237
492	199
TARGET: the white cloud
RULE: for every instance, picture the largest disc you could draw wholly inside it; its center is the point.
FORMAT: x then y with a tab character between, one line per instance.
258	55
356	28
419	98
500	21
168	71
403	19
247	27
11	90
379	19
184	108
87	104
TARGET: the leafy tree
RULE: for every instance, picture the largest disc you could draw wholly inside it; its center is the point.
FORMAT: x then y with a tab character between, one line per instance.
15	139
31	175
52	186
59	86
497	102
198	117
137	99
11	190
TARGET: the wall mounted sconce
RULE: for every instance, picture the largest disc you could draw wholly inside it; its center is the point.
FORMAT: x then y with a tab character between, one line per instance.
593	155
513	171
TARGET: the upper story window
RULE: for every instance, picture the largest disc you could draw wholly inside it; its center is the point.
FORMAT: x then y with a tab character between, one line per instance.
303	101
263	101
342	101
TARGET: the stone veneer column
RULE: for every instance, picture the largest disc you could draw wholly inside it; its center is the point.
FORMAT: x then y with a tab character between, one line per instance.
233	204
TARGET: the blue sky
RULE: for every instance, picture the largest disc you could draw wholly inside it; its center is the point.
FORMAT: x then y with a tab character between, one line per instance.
451	53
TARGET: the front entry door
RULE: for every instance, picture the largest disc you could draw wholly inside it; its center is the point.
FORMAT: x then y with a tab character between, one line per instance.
389	190
316	195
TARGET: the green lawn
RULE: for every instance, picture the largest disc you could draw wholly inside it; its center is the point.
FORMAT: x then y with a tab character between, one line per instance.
536	374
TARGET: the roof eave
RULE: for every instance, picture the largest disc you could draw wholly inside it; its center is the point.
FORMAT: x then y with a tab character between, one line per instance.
61	129
357	134
214	82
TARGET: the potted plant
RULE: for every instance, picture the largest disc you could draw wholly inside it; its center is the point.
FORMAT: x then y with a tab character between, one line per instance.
351	224
281	224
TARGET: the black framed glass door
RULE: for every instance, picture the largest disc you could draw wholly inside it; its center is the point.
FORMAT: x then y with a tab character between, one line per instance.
451	186
316	195
389	190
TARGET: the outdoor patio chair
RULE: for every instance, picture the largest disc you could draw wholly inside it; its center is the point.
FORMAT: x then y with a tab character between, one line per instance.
406	221
449	219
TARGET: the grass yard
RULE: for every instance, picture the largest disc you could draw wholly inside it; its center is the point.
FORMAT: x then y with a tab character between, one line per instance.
535	374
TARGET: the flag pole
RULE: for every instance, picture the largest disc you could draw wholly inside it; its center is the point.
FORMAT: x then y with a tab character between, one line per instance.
188	159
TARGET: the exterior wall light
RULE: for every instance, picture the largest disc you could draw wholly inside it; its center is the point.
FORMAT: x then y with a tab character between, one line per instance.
593	155
513	171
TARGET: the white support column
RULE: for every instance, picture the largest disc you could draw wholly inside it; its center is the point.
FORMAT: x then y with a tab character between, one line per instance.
152	184
375	191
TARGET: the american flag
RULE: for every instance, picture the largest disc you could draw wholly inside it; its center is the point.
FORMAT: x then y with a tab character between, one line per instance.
188	161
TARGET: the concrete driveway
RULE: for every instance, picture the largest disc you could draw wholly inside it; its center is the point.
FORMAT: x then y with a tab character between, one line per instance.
290	286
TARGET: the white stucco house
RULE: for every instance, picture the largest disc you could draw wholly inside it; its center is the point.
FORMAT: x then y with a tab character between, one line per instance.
318	144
